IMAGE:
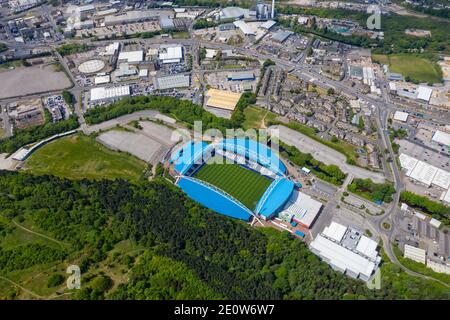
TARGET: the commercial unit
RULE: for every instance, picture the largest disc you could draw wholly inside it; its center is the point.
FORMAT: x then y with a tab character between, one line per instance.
245	28
424	93
347	250
173	81
401	116
241	76
441	137
131	56
107	94
171	54
416	254
222	99
102	79
424	172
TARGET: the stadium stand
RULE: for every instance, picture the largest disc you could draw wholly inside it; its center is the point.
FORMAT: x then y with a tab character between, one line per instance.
278	193
213	198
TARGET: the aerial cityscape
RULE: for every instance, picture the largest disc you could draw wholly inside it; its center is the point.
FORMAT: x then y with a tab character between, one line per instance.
208	150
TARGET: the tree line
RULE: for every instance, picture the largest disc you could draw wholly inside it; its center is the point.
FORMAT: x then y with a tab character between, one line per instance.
218	256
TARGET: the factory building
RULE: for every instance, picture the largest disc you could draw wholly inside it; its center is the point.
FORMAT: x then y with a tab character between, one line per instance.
132	57
347	250
102	94
173	81
240	76
131	17
222	99
171	54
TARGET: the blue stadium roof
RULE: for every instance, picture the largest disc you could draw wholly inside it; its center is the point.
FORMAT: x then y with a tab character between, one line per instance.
214	198
276	195
187	155
255	151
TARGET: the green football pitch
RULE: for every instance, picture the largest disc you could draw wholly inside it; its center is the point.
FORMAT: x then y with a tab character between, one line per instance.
245	185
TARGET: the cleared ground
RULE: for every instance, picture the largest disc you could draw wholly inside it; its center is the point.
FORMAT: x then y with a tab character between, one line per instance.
144	147
416	67
78	157
244	185
28	80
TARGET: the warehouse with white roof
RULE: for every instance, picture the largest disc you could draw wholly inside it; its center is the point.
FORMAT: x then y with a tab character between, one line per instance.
401	116
171	54
424	173
408	163
441	137
424	93
347	250
132	56
172	81
112	93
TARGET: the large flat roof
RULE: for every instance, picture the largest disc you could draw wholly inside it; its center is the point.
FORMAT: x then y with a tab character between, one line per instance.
424	93
132	56
172	81
222	99
424	173
442	138
171	53
401	116
342	258
303	208
103	93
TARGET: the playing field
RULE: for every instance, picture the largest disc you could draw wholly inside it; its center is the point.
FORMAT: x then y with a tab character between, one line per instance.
244	185
417	67
79	156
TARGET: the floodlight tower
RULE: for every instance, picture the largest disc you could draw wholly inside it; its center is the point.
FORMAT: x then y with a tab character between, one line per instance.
273	9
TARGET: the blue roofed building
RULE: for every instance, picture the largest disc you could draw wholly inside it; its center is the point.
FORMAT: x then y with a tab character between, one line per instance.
275	197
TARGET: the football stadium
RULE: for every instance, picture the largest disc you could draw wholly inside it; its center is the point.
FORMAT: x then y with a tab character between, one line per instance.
239	178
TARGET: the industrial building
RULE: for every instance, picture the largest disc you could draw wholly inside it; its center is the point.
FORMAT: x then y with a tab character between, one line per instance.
132	56
347	250
281	36
171	54
233	13
441	137
424	93
101	94
268	24
102	79
401	116
173	81
241	76
245	28
166	23
424	173
416	254
222	99
130	17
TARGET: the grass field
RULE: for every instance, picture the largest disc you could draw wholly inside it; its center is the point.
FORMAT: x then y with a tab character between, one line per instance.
254	117
79	156
244	185
418	68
